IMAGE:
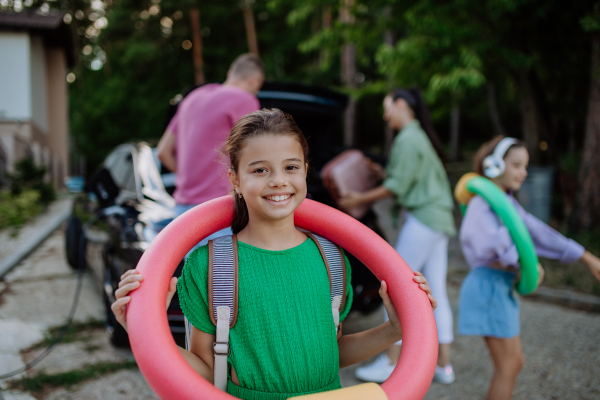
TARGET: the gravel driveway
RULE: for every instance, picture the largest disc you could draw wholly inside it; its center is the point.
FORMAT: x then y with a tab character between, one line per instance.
561	345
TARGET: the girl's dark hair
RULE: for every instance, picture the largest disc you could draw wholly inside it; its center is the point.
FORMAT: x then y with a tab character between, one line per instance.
262	122
415	101
487	149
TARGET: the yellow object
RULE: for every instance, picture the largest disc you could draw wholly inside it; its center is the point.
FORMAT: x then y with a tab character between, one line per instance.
461	193
370	391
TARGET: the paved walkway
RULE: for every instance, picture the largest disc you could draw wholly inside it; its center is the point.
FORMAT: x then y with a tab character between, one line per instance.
562	350
561	345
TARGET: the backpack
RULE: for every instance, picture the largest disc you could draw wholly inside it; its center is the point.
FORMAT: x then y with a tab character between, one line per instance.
223	293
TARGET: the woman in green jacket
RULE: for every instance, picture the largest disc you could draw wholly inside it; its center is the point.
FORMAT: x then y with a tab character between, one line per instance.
416	178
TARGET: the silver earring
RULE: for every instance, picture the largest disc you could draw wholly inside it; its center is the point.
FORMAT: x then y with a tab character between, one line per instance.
240	195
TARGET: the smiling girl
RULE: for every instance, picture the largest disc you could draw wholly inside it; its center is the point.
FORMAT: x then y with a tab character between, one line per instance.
488	306
284	343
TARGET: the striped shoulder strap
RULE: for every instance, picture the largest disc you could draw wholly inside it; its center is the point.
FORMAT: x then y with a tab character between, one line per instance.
223	277
222	301
335	264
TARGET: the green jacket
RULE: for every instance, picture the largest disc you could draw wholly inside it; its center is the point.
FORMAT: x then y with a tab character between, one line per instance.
416	176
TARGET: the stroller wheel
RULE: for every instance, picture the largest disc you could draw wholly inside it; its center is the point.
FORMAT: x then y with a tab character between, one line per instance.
72	241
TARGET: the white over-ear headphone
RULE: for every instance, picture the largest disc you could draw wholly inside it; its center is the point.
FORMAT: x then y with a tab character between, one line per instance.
493	165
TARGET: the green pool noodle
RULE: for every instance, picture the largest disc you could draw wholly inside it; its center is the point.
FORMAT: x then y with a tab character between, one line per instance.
507	212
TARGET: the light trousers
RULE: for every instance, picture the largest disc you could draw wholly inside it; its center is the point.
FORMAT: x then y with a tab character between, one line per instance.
426	250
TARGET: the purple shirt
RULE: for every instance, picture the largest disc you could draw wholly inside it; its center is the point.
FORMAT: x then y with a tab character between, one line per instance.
201	126
485	240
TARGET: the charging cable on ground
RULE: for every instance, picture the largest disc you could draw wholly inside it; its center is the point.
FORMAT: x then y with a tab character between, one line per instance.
65	327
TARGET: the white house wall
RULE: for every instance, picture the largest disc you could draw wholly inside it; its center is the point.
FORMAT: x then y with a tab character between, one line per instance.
15	76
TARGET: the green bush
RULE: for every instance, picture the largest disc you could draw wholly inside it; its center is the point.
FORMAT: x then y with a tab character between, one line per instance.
15	210
29	194
29	176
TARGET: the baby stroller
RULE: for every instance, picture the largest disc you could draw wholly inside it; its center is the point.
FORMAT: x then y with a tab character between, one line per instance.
127	202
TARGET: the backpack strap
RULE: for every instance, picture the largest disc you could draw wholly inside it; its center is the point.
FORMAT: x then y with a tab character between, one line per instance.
222	301
336	269
223	277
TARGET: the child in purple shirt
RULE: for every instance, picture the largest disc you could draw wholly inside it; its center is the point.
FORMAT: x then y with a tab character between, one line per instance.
488	306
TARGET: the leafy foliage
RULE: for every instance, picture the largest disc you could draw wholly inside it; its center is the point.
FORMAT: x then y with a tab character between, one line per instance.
29	176
450	49
15	210
29	194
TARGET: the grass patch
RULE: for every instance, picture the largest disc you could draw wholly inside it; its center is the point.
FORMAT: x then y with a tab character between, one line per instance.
78	331
43	380
90	348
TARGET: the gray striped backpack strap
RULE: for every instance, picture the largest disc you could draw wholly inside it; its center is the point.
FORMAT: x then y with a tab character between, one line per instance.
336	269
222	301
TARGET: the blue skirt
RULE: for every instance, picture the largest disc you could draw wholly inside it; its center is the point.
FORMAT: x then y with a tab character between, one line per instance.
488	305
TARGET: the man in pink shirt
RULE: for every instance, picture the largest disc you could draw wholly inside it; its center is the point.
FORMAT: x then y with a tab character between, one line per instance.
190	145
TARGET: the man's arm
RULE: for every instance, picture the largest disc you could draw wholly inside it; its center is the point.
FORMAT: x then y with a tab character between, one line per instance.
166	151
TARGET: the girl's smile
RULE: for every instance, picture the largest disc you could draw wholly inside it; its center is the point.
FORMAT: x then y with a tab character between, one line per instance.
281	199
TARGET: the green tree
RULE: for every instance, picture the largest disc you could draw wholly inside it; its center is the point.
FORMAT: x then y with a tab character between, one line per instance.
588	215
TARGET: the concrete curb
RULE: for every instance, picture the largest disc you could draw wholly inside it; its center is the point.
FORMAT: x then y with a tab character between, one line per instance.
565	298
11	261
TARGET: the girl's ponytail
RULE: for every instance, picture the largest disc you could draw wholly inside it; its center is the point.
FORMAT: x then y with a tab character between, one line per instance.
240	216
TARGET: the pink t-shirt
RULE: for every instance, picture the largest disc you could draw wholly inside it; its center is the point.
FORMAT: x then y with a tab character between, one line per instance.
201	126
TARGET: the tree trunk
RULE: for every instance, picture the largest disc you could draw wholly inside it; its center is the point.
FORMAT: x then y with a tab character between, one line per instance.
348	75
530	115
389	39
454	132
250	28
197	46
325	24
539	130
589	173
571	129
494	114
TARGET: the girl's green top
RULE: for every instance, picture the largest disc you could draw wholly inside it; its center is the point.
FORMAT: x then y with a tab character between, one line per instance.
284	342
419	181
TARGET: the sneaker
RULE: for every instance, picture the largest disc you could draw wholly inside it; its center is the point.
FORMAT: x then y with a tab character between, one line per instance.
444	375
378	371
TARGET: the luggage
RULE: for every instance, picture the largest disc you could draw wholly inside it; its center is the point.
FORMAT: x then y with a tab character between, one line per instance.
347	172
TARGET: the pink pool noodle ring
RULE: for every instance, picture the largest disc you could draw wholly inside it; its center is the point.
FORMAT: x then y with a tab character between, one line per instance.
171	377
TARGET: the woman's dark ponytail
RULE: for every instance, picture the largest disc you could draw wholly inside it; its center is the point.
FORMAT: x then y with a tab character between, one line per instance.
414	99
